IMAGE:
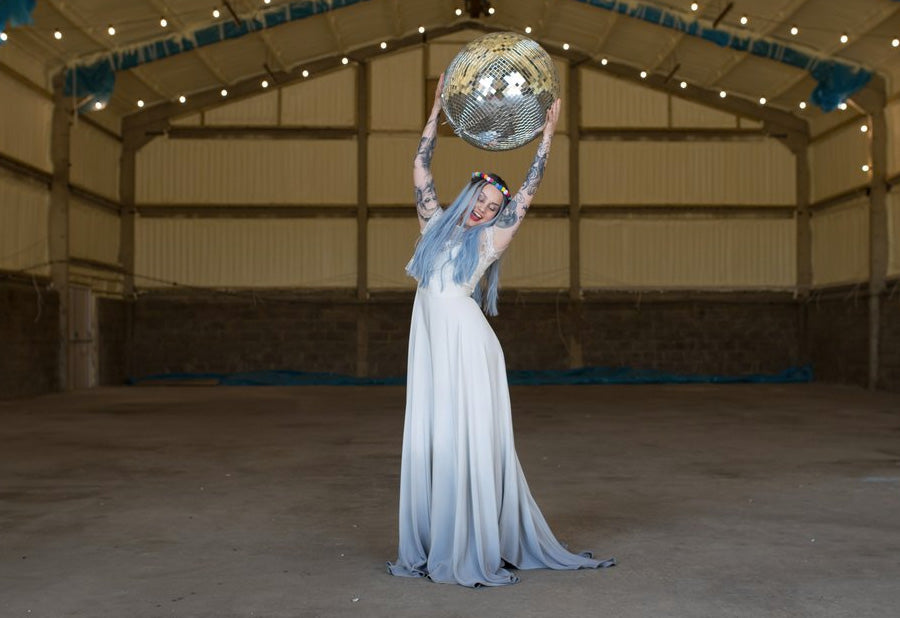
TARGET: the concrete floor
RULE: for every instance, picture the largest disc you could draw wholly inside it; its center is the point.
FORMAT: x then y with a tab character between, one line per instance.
718	500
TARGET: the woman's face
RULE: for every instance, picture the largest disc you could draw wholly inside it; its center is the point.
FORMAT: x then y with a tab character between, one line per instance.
487	205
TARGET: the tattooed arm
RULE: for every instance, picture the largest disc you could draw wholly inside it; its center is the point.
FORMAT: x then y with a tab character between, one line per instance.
509	219
426	198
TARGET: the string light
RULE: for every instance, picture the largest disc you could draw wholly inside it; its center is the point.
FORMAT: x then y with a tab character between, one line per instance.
216	13
421	29
383	45
57	35
694	6
267	1
3	37
140	103
865	167
566	46
842	106
795	30
762	100
305	73
345	60
683	85
528	31
643	74
224	92
182	99
864	128
98	105
895	43
604	61
722	94
744	20
458	12
164	23
844	38
802	105
111	30
265	83
490	10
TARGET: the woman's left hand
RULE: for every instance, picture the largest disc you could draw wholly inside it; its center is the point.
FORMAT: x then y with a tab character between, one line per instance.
551	119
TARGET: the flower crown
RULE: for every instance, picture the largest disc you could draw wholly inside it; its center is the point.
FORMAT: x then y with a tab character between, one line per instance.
490	179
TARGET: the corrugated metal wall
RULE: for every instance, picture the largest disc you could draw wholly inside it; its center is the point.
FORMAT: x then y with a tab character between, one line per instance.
699	252
836	161
389	76
840	244
25	124
224	171
253	253
391	243
747	172
93	232
894	232
24	206
95	160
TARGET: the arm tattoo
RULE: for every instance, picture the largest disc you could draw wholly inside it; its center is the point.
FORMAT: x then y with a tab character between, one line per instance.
426	197
518	206
426	200
508	216
536	173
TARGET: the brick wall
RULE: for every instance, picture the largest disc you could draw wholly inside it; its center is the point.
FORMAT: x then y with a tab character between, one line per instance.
112	325
837	333
29	340
889	346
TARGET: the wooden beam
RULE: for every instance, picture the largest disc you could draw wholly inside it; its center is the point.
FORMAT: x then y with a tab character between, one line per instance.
58	220
362	181
576	353
673	135
271	132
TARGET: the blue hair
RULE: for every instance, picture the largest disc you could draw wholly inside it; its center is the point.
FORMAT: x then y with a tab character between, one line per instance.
448	231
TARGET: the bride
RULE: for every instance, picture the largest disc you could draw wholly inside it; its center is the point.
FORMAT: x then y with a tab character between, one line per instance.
466	513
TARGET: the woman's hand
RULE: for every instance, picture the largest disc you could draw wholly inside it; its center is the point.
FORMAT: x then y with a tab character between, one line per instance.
551	119
437	95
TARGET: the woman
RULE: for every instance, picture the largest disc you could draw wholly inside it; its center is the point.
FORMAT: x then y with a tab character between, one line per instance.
465	509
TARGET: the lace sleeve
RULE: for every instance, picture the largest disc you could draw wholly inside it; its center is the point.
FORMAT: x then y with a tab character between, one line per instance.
488	251
438	213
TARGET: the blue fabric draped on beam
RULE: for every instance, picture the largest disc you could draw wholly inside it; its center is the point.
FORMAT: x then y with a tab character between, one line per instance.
584	375
15	13
95	82
836	80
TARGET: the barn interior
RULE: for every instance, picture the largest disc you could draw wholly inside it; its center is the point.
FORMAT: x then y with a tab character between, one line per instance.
701	311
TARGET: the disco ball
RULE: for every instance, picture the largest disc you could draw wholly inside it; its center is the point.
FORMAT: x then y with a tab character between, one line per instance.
497	91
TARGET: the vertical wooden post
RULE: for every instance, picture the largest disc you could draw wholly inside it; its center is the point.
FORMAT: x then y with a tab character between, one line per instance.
878	236
58	219
799	145
576	353
362	218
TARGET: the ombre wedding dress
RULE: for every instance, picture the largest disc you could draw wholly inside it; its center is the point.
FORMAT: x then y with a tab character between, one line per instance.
466	512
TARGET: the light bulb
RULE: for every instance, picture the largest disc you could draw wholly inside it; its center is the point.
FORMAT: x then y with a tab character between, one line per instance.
383	45
604	61
111	30
683	85
182	99
57	34
528	31
163	22
895	43
744	20
267	1
3	37
140	103
491	11
722	94
643	74
694	6
844	38
421	29
216	13
224	92
802	104
345	60
566	46
865	167
795	30
265	83
305	73
458	12
842	106
762	100
98	105
864	128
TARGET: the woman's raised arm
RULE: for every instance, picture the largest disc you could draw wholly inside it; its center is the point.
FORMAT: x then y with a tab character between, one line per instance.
426	198
510	218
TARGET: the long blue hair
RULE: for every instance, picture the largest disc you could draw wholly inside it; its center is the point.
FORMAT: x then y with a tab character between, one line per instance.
449	231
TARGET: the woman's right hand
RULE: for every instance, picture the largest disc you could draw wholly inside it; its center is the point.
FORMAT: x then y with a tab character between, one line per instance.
551	119
437	95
